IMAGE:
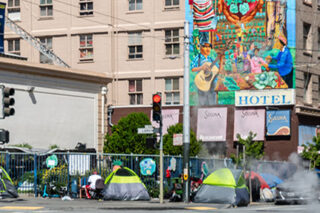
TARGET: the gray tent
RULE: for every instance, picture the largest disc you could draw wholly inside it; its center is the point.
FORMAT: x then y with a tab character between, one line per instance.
124	184
224	186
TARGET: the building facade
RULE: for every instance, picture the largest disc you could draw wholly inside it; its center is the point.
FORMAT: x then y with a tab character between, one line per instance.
139	45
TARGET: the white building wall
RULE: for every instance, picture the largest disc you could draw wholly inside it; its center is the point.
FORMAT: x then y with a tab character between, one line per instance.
57	112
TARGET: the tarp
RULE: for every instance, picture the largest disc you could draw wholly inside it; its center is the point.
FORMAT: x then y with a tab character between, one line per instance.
263	183
7	189
224	186
272	180
124	184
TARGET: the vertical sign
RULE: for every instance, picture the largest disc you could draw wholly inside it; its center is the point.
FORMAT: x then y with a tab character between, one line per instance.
212	124
278	122
247	120
2	20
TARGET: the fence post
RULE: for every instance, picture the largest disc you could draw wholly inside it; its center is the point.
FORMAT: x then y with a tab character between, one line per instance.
35	175
7	161
68	180
99	164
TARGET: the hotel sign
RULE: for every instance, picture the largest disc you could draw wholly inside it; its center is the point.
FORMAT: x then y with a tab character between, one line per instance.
265	97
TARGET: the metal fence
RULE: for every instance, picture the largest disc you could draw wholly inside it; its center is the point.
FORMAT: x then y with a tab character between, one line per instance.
30	172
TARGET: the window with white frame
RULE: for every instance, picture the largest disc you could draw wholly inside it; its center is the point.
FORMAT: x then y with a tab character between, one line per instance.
86	7
307	38
135	5
135	45
135	92
172	91
46	41
86	47
46	8
14	46
172	42
171	3
13	8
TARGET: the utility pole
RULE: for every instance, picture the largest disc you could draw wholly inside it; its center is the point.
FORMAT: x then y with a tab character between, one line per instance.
186	116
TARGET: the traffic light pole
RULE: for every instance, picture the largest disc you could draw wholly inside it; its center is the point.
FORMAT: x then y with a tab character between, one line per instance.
186	117
161	161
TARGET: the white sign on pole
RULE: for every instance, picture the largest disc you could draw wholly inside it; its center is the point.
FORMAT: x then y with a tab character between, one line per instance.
148	126
177	139
145	131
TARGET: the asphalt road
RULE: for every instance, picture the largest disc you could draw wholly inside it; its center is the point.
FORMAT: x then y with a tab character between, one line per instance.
40	205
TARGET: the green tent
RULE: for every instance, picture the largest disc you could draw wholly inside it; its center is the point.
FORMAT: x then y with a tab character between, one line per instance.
124	184
7	189
224	186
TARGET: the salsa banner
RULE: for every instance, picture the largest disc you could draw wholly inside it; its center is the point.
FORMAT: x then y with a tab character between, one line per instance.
246	120
170	117
239	45
278	122
212	124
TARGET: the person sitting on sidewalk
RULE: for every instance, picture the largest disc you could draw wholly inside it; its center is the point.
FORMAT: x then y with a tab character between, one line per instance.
92	183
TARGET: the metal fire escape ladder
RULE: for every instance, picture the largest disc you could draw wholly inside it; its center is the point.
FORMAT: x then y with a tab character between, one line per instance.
35	43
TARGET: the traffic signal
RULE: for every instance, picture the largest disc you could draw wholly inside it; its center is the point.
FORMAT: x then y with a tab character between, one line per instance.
7	101
151	143
4	136
156	106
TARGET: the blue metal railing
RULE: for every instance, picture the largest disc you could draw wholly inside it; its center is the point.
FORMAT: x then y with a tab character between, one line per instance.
30	173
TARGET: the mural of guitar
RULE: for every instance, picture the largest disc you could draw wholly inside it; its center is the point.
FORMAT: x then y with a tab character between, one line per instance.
204	78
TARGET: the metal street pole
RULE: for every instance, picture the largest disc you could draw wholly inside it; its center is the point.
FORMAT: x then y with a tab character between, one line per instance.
186	116
161	161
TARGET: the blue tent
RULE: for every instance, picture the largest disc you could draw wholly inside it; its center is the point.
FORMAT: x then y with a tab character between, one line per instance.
272	180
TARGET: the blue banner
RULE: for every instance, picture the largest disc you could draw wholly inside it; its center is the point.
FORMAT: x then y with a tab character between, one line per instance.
2	20
278	122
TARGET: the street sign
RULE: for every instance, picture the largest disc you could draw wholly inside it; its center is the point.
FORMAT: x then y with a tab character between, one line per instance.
145	131
177	139
148	126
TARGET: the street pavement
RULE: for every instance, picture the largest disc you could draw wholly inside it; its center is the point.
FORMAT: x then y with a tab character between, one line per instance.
27	204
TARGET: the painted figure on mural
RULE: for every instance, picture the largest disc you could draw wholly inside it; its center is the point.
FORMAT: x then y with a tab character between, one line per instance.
207	71
284	63
256	62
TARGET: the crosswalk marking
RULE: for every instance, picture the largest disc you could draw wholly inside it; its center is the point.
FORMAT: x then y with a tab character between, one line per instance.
200	208
21	207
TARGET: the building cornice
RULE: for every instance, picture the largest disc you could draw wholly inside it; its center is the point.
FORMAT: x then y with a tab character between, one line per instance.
46	70
307	110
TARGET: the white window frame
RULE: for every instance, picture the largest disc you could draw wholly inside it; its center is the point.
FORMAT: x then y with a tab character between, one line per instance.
12	46
85	11
46	42
13	8
171	41
135	46
135	3
172	94
172	4
136	94
86	47
46	5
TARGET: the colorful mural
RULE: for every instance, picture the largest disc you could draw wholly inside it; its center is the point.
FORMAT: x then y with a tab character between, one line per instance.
239	45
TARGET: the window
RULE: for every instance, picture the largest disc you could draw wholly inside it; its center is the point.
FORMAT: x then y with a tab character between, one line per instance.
307	88
307	2
171	3
172	91
135	92
319	89
135	5
172	42
14	46
135	45
86	7
48	43
318	3
46	8
86	47
307	38
318	40
14	10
